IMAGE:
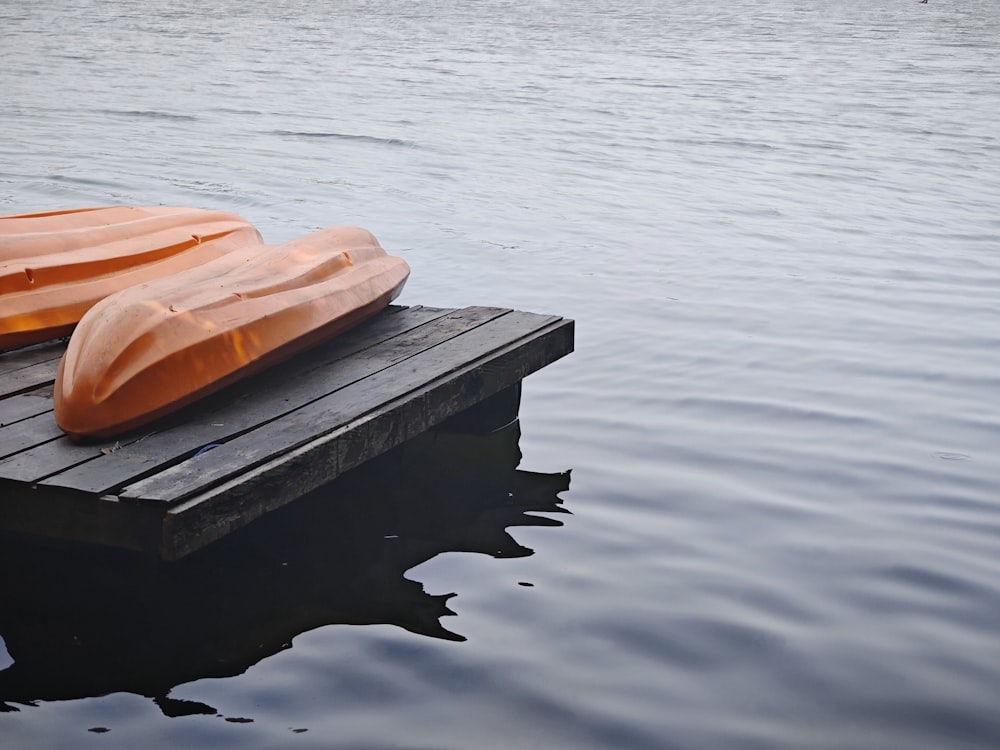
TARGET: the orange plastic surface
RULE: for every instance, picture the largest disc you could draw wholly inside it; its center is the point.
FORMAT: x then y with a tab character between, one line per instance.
55	266
153	348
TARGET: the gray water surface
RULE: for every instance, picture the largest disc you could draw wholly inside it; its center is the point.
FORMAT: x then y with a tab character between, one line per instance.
777	226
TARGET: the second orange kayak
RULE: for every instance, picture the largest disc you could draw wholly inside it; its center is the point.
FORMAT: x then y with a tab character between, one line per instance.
54	266
155	347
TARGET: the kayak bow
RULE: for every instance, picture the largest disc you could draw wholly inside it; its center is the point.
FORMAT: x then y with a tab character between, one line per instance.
152	348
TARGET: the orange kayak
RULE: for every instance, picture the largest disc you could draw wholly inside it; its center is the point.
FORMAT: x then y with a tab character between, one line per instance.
150	349
55	266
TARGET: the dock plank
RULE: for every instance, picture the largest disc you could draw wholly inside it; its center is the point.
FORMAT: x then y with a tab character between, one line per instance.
18	359
38	461
80	518
24	379
34	431
22	406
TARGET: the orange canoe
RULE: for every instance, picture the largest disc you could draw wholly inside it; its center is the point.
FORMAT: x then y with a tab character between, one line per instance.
150	349
55	266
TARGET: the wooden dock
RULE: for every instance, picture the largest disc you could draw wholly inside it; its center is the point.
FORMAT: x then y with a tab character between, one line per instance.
261	443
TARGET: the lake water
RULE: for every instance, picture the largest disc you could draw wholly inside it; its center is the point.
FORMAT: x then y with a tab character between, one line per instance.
777	226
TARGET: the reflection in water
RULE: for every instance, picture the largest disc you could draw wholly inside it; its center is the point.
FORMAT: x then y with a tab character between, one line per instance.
81	622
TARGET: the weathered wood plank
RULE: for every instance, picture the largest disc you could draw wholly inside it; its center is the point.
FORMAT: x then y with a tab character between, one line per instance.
32	376
270	396
197	521
18	359
346	404
28	433
29	466
81	518
22	406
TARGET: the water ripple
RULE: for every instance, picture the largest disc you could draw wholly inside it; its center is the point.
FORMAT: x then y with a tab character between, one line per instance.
344	136
775	225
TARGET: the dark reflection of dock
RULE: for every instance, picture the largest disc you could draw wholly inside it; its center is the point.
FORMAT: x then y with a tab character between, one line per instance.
81	622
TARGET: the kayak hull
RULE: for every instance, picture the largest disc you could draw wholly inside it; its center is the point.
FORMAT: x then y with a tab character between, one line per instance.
55	266
151	349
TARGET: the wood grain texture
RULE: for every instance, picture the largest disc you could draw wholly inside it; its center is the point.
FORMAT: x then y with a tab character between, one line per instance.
23	406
